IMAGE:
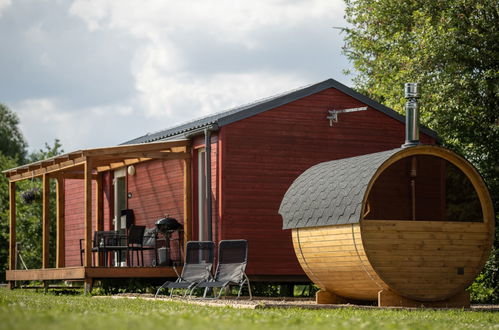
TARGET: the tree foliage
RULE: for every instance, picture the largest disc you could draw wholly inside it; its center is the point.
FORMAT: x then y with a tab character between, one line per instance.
13	152
452	49
29	216
12	143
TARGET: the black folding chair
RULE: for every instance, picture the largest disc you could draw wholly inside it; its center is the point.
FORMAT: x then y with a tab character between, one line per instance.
197	267
232	261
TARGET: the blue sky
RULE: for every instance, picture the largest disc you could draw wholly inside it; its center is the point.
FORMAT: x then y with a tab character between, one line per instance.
96	73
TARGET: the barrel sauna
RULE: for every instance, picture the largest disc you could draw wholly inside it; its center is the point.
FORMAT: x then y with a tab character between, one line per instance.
406	227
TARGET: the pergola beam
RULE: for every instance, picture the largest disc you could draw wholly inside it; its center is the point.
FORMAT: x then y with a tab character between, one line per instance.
46	170
157	150
45	220
123	150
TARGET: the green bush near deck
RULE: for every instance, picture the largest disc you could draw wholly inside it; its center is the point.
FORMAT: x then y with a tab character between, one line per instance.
31	310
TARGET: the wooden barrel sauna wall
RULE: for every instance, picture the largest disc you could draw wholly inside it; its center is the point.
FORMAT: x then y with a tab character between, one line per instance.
417	221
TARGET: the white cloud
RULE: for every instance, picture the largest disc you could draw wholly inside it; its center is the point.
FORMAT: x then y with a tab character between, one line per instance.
4	4
100	72
165	86
43	120
229	20
164	95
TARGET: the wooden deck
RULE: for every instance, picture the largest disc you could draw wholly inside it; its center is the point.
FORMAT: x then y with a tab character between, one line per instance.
83	273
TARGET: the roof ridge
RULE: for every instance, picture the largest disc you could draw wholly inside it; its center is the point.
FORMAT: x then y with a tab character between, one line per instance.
234	114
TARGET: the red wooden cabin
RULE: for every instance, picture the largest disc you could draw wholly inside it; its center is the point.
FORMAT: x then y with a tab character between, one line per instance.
256	151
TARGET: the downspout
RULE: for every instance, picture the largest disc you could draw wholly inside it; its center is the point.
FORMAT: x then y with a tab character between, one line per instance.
207	143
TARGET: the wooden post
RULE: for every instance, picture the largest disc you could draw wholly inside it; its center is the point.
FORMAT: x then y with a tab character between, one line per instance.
99	209
12	225
45	220
60	244
87	260
99	205
187	201
88	285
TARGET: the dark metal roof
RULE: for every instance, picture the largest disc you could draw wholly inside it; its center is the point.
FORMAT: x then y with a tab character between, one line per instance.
243	112
331	193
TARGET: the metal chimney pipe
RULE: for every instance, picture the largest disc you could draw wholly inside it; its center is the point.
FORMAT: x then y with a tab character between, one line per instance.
411	91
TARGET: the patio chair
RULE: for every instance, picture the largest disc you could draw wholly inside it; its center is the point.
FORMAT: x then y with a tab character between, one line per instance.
104	241
95	246
231	266
135	243
149	243
197	267
140	239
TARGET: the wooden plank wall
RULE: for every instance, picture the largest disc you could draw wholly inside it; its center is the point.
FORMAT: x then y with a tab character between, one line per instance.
263	154
157	190
426	260
334	259
74	211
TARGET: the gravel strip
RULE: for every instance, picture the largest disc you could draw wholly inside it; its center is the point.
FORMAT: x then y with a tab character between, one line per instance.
280	302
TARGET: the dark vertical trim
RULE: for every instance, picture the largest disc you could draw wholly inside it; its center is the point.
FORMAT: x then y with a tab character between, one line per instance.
207	142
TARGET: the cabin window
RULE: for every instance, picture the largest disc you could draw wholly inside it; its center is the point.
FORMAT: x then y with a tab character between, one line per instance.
424	188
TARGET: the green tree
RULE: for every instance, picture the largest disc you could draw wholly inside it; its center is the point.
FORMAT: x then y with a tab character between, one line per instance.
5	163
28	227
12	143
29	216
452	49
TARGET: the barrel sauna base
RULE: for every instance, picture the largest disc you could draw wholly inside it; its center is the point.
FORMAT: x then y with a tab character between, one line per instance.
387	298
325	297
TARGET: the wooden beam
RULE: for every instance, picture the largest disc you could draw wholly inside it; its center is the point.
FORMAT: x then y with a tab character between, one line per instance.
187	201
120	150
126	163
12	225
25	174
69	273
87	260
99	209
103	168
45	220
99	205
76	175
144	154
60	244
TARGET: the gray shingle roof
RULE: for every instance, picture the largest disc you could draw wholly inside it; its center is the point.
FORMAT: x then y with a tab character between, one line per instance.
243	112
331	193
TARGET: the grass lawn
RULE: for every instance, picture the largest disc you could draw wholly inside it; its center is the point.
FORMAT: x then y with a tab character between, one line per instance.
22	309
